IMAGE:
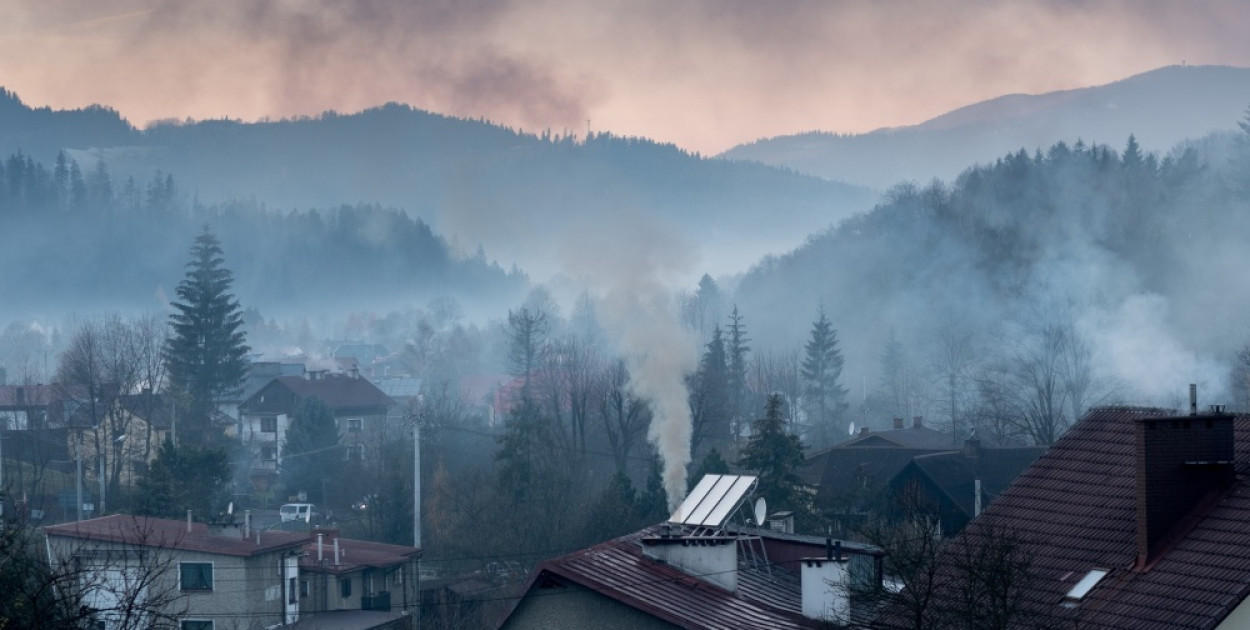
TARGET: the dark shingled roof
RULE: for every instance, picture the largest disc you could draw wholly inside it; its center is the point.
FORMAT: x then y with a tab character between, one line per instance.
955	474
844	472
1076	509
338	391
617	569
172	534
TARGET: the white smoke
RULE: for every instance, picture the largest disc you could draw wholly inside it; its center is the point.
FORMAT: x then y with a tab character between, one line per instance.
631	265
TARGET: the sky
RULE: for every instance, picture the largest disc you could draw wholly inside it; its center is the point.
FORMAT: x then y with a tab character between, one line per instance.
703	74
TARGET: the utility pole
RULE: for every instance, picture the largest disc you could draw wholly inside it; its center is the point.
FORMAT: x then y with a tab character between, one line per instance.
100	458
78	477
416	481
3	494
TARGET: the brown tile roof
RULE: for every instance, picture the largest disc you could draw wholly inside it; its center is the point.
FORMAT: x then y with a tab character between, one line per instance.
1076	509
617	569
172	534
353	555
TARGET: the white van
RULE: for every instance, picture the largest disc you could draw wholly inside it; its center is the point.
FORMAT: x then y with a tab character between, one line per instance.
298	512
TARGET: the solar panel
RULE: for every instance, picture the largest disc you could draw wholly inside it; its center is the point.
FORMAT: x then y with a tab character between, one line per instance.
713	500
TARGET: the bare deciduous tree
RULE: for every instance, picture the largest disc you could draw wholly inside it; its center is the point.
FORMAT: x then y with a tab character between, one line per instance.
625	416
75	584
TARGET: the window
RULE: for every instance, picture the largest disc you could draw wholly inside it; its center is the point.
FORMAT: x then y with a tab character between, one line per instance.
268	453
303	588
353	425
345	587
1086	584
269	424
292	598
195	576
196	624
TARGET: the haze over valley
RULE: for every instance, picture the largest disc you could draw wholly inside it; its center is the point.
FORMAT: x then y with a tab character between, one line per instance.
595	252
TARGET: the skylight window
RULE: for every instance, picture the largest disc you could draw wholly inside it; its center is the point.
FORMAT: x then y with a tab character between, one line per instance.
1086	584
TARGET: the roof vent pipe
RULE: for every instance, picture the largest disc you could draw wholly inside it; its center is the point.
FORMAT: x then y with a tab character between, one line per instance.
320	546
247	524
336	551
188	521
1193	399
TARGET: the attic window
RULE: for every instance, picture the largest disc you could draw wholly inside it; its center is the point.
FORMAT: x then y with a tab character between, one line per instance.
1086	584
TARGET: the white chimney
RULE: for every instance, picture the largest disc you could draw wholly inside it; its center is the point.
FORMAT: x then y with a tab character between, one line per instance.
713	559
824	586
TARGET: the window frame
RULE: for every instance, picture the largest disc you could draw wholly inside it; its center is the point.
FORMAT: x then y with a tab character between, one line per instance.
198	624
269	424
182	568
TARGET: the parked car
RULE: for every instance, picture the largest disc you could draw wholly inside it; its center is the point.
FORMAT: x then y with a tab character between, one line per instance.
306	512
364	503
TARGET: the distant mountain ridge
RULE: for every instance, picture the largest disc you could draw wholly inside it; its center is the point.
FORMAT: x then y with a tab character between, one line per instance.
527	198
1161	108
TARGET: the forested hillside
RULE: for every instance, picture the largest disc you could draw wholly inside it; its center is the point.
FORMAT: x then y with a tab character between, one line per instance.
1163	107
1122	270
76	241
472	180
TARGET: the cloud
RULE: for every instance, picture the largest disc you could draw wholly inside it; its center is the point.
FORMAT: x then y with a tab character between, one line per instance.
704	73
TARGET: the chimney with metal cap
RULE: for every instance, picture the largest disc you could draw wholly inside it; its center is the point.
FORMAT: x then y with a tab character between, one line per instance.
823	583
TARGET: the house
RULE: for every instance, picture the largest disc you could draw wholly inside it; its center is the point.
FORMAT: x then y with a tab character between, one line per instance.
867	473
359	407
344	574
698	571
32	442
956	485
203	576
1135	518
917	435
228	575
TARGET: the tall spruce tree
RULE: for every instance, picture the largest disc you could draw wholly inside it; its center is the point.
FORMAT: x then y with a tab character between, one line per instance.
736	350
824	397
709	398
775	456
206	350
311	452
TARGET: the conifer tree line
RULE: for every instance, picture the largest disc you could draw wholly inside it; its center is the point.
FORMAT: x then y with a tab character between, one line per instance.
75	219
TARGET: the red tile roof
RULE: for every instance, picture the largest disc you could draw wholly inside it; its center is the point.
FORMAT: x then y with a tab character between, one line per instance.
172	534
1076	509
354	555
617	569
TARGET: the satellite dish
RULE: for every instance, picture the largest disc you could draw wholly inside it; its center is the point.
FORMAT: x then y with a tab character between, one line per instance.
761	511
851	429
230	509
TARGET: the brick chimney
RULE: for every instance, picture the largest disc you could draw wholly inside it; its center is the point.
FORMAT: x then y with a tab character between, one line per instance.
917	422
1183	465
972	448
898	424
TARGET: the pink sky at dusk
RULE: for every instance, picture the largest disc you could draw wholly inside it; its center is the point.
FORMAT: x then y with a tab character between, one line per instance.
704	74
